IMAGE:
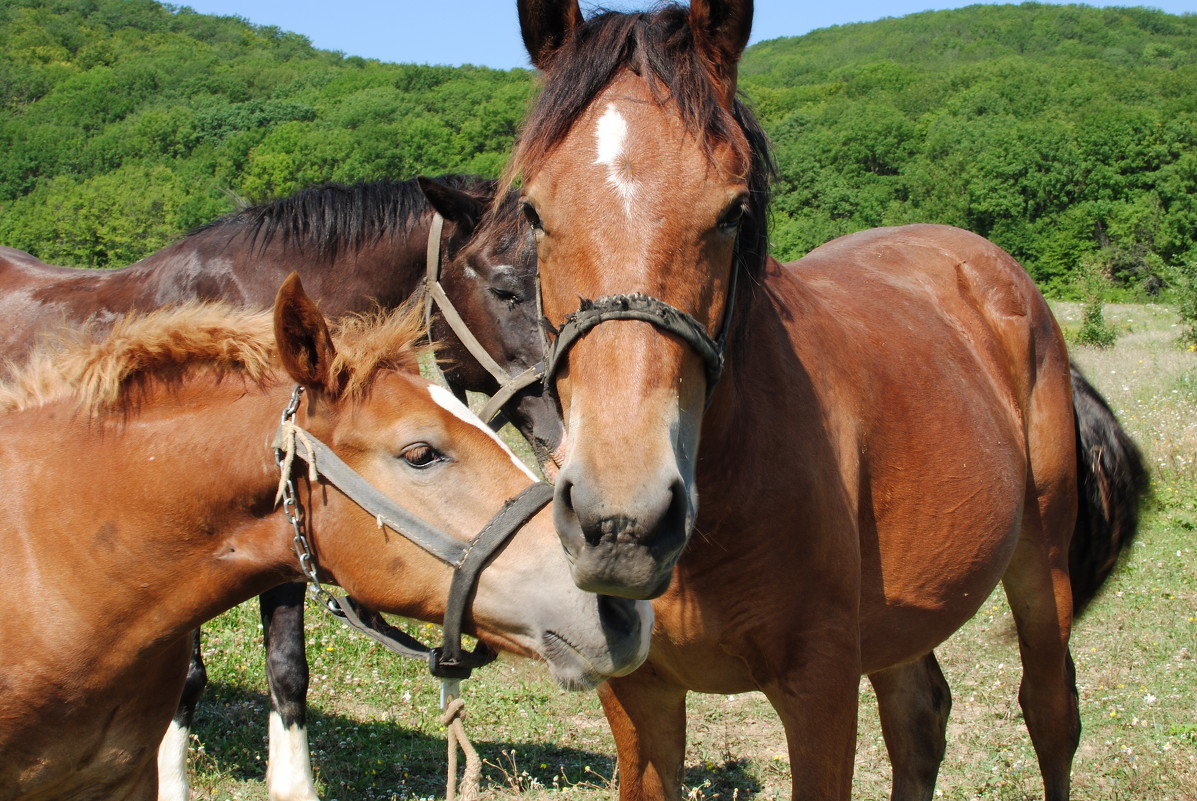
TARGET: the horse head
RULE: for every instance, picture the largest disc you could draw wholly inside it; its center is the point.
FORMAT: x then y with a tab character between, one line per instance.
643	182
415	443
492	278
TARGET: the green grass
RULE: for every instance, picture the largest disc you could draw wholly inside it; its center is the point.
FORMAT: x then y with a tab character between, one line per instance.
374	720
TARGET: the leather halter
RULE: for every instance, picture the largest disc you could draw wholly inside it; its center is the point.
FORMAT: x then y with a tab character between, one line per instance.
435	296
648	309
467	559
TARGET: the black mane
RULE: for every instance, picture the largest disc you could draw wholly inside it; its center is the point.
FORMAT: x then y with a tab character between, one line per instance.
327	219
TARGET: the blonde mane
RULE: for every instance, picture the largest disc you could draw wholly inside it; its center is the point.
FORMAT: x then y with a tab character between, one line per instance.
104	367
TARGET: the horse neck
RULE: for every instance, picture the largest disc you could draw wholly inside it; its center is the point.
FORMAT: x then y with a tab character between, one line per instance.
226	262
391	270
754	391
172	520
776	427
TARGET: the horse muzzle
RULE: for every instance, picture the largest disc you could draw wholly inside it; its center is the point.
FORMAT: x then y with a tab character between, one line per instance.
624	547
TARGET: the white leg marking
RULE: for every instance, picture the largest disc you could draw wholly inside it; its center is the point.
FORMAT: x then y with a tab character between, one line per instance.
172	765
611	139
447	400
289	763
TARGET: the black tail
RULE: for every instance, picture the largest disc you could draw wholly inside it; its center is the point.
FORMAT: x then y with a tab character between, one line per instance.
1112	481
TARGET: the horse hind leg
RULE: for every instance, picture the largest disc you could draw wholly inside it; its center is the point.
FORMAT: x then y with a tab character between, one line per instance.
1037	587
914	701
172	752
289	763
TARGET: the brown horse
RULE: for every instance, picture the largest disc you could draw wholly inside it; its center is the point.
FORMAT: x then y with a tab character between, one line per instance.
354	246
888	433
160	437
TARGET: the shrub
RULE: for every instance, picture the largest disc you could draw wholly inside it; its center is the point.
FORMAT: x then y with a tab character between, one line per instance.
1186	290
1094	329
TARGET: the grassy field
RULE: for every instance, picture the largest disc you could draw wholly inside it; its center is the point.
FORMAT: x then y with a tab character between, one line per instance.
374	721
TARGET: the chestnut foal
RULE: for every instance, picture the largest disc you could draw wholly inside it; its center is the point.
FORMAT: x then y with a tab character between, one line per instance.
355	246
142	485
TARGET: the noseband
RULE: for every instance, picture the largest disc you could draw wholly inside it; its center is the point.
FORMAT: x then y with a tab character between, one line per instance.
450	660
435	296
648	309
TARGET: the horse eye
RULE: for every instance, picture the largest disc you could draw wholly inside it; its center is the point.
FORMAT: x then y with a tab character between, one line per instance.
734	215
533	217
421	455
512	299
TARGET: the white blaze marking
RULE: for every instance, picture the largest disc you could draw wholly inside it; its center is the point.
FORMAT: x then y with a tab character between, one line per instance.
289	763
611	137
172	765
446	400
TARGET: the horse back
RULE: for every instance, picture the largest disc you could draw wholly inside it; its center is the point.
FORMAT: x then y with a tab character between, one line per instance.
931	292
29	302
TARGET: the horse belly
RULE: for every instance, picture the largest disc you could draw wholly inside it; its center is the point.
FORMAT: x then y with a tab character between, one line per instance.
933	564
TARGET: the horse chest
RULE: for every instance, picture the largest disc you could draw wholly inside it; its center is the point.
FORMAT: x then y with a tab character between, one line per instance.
710	628
705	662
106	754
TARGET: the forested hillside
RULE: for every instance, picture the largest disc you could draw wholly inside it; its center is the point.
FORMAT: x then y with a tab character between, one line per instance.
1067	134
124	123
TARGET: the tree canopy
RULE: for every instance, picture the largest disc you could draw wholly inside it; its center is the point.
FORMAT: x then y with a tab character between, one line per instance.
124	123
1066	134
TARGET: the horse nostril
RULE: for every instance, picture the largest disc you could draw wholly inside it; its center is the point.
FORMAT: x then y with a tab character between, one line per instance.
565	519
675	523
574	531
659	521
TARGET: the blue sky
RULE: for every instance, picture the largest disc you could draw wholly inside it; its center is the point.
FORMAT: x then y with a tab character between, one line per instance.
486	32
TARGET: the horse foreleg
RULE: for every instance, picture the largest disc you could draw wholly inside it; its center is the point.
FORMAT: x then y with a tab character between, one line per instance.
647	716
289	764
818	709
914	701
1041	601
172	751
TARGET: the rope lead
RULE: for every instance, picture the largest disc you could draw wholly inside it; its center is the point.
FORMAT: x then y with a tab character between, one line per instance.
468	788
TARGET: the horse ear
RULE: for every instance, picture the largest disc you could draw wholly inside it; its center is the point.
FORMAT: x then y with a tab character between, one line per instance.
546	25
304	343
721	29
454	205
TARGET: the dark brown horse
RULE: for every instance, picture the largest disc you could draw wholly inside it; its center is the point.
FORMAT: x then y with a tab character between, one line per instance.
887	426
354	247
160	436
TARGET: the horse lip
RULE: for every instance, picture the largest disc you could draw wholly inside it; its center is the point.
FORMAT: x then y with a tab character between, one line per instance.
575	671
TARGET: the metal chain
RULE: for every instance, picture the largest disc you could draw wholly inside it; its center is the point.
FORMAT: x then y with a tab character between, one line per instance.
293	511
